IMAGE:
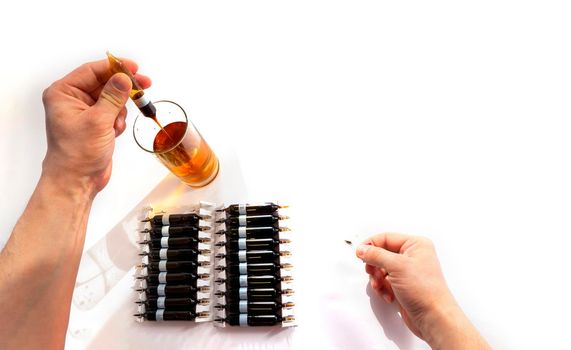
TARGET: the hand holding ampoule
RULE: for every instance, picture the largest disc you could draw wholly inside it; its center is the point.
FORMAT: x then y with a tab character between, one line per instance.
84	113
406	269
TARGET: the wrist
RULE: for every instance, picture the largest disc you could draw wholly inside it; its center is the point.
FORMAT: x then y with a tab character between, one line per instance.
447	327
63	183
439	323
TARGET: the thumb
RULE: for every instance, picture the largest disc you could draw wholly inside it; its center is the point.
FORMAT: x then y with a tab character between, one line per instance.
379	257
113	97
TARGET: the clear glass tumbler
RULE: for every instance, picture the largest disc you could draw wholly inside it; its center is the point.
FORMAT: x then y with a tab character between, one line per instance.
177	143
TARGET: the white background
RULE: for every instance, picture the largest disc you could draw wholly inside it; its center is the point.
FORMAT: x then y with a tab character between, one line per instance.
447	119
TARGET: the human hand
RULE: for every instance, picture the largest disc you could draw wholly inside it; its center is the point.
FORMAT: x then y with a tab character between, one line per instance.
405	269
85	111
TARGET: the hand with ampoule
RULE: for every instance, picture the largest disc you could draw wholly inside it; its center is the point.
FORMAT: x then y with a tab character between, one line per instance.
85	111
405	269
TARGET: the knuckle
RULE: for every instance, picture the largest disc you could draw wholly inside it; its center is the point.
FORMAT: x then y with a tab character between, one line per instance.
85	67
429	243
112	98
425	241
373	255
48	92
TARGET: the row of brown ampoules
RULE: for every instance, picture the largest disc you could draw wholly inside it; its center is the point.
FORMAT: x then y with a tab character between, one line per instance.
252	266
174	277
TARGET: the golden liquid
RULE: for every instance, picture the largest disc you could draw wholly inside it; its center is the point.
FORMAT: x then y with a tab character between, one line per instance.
191	160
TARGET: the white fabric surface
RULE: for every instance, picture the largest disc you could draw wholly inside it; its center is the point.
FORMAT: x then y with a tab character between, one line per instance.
442	118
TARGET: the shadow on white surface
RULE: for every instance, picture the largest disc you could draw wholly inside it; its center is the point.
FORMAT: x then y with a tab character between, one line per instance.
391	322
123	332
108	260
103	301
104	264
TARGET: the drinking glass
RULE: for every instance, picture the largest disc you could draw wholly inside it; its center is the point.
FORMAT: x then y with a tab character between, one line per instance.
177	144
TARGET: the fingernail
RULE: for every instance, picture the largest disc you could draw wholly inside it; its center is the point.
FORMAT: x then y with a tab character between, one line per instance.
362	250
120	82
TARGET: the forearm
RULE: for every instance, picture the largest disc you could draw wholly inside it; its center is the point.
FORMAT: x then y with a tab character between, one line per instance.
39	264
447	327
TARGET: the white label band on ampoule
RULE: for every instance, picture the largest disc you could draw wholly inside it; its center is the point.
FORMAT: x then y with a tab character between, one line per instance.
163	254
161	302
243	319
162	265
243	281
243	306
241	232
242	256
165	231
166	219
242	209
161	290
242	220
162	277
159	314
142	101
164	242
242	243
243	293
243	268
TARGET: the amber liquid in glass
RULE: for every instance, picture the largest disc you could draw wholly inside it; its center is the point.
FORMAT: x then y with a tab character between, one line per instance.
191	160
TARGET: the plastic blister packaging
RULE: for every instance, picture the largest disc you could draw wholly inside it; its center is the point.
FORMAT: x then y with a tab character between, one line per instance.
174	279
227	264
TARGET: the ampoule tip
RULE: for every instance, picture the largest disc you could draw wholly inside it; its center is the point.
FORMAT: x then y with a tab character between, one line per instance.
289	319
287	279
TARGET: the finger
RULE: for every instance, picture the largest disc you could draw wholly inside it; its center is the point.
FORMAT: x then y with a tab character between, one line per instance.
90	76
384	286
143	80
123	113
379	257
389	241
374	283
388	290
113	97
370	269
120	124
379	286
